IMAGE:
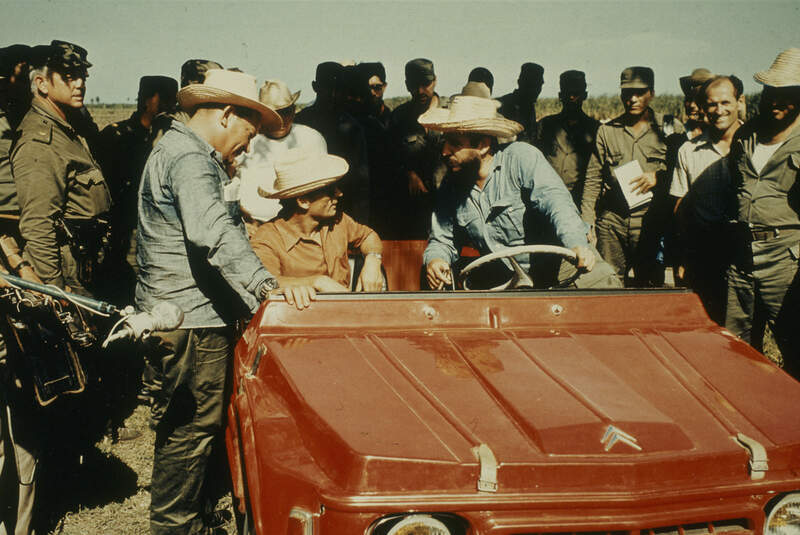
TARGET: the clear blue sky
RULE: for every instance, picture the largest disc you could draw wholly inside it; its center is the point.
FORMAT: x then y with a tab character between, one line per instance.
285	40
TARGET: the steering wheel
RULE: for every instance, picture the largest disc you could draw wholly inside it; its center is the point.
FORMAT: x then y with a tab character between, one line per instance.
520	279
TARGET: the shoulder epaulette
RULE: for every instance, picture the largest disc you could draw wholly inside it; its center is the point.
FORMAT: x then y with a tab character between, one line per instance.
42	132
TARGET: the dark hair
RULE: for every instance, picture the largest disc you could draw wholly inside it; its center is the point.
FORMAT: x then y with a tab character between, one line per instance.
481	74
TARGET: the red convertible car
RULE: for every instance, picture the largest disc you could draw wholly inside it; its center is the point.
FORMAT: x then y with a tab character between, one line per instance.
514	412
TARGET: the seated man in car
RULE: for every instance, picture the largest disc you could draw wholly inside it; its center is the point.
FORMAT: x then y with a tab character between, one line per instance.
307	243
494	198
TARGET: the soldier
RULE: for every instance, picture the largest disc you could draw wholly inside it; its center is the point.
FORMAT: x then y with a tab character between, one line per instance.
417	150
14	100
765	157
483	75
690	85
568	138
638	134
55	172
520	105
125	146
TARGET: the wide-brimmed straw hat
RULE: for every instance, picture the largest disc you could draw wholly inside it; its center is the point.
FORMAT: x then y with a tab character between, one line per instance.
232	88
299	172
784	72
276	95
470	114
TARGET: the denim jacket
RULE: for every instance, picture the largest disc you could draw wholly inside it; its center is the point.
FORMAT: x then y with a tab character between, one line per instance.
521	192
192	247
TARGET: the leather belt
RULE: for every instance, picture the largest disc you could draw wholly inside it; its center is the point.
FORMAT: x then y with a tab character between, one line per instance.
768	233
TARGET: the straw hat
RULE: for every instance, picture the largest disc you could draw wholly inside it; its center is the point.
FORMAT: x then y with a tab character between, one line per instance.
229	87
470	114
784	72
299	172
276	95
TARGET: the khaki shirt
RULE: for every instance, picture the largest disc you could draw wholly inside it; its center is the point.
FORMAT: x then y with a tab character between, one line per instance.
568	147
286	253
55	173
768	198
8	191
617	145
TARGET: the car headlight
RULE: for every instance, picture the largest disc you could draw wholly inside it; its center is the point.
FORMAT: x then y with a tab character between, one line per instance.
784	518
419	524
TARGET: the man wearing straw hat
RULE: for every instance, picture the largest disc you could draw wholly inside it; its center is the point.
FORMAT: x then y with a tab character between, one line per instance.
256	167
193	252
491	194
307	244
765	162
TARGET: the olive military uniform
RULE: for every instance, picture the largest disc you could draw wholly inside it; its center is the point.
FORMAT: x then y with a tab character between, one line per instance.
618	228
55	173
764	276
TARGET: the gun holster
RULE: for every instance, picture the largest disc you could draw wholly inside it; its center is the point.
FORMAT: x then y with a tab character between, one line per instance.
89	240
41	340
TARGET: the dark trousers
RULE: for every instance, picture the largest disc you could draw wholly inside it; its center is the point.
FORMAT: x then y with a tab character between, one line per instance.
188	411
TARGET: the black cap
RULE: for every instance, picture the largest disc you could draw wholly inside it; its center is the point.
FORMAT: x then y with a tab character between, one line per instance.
637	78
327	73
371	69
11	56
163	85
481	74
531	72
572	80
193	71
420	72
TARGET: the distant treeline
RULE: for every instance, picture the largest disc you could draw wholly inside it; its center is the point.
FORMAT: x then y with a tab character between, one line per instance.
601	107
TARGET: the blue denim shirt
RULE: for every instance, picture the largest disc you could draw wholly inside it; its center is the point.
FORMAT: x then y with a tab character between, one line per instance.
521	188
192	247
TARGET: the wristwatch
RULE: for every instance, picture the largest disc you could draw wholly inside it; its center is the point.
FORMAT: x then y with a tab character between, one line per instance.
266	287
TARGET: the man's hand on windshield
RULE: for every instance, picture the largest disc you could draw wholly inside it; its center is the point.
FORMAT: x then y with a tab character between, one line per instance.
645	182
371	278
438	274
586	258
299	295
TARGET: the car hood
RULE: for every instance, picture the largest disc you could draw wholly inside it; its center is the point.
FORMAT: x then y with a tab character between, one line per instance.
553	392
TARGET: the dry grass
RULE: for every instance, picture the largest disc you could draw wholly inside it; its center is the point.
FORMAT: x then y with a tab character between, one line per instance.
111	495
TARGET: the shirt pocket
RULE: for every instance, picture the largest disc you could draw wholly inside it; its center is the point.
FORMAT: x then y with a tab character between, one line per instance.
614	158
90	185
505	222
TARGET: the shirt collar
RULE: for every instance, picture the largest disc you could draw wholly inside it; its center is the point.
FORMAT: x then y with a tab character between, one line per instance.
43	107
207	148
289	236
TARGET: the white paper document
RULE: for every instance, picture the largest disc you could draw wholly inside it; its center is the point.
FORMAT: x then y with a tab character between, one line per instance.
625	175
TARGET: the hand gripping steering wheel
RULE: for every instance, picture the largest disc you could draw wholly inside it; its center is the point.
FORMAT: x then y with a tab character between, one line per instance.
520	279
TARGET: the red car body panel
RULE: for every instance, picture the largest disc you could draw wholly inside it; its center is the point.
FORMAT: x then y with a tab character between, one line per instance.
365	405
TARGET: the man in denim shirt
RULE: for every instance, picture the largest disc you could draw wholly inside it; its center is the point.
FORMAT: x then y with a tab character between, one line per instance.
193	252
492	195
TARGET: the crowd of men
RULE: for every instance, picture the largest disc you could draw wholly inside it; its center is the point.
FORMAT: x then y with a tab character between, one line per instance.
214	195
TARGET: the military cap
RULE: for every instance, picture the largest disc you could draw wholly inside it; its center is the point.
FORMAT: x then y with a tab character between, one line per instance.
327	73
637	78
420	71
193	71
163	85
481	74
11	56
531	71
690	84
66	56
371	69
572	80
